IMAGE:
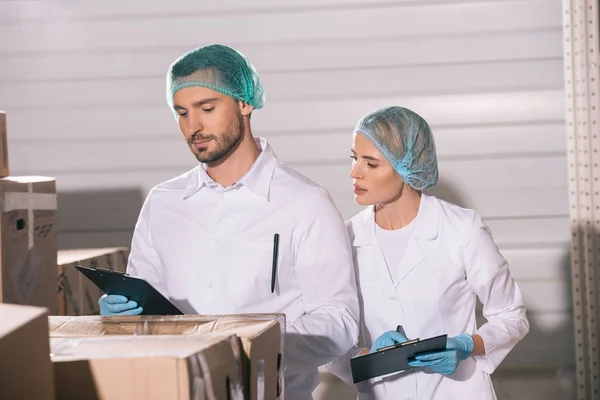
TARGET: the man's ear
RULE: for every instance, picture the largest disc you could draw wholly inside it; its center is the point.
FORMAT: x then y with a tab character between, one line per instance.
245	108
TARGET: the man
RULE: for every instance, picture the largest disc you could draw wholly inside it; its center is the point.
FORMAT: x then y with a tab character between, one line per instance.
207	239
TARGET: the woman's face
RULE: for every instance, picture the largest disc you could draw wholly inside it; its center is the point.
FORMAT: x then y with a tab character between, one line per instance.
374	179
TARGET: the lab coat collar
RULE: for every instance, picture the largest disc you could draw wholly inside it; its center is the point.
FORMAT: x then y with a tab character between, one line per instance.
426	222
257	179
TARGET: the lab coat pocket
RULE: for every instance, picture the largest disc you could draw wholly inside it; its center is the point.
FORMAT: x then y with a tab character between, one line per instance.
249	272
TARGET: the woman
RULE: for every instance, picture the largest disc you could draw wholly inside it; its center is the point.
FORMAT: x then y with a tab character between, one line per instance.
421	263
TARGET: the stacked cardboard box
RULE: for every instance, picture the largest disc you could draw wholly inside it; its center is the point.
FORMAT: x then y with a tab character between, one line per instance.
258	352
27	235
77	295
184	357
147	367
25	367
28	241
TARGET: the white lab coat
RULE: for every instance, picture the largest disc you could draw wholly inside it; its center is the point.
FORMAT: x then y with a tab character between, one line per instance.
451	260
210	250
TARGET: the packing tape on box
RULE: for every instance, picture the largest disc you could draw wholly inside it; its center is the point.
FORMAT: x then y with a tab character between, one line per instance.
29	201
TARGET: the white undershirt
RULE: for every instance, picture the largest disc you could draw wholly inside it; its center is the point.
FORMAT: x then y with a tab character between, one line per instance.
393	244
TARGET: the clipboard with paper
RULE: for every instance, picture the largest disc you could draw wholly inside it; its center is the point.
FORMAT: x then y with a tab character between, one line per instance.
136	289
394	358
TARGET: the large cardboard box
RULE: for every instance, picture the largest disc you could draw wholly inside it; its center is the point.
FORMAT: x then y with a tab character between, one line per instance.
28	241
261	338
4	170
146	367
25	367
77	295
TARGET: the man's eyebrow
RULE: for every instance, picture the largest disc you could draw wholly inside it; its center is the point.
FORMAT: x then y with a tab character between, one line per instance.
200	103
196	104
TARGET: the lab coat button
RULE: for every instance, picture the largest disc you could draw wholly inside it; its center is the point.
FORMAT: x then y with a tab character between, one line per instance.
394	298
216	239
210	285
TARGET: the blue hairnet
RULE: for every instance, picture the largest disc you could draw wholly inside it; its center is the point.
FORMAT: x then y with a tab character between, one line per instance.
219	68
406	142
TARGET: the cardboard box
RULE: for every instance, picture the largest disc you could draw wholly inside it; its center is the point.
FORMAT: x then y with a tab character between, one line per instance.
25	367
146	367
28	241
261	337
77	295
4	170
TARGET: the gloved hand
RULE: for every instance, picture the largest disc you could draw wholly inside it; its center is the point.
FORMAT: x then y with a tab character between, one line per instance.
115	304
388	339
458	348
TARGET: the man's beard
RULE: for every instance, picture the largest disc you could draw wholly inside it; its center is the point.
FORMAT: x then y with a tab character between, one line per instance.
224	143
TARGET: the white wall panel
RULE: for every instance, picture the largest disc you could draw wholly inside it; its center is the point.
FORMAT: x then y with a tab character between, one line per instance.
36	10
277	27
303	86
525	45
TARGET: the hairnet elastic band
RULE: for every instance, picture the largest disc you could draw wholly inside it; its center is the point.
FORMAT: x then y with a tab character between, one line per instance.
177	88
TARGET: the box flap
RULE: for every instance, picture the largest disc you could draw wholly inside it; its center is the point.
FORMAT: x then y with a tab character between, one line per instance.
98	326
29	179
13	317
75	255
153	367
85	348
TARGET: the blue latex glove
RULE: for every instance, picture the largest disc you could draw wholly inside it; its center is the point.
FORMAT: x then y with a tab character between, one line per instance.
388	339
115	304
458	348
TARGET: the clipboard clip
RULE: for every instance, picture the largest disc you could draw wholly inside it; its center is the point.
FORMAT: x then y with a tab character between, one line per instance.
400	330
104	270
408	342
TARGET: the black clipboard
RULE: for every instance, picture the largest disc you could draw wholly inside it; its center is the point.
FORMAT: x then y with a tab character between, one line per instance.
393	358
136	289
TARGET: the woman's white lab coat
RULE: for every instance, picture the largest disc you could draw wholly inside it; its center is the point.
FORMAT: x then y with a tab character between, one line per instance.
451	260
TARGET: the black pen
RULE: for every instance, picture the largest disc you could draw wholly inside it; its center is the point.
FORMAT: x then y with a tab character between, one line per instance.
275	252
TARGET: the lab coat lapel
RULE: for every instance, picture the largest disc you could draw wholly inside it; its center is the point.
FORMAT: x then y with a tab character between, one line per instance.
426	227
364	236
411	259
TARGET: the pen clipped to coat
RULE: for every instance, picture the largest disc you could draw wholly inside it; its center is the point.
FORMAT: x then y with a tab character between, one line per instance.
275	256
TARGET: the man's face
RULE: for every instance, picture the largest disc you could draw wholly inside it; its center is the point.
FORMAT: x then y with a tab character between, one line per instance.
211	122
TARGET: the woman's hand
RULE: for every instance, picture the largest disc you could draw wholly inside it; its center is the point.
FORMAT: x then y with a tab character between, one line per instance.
458	348
389	338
